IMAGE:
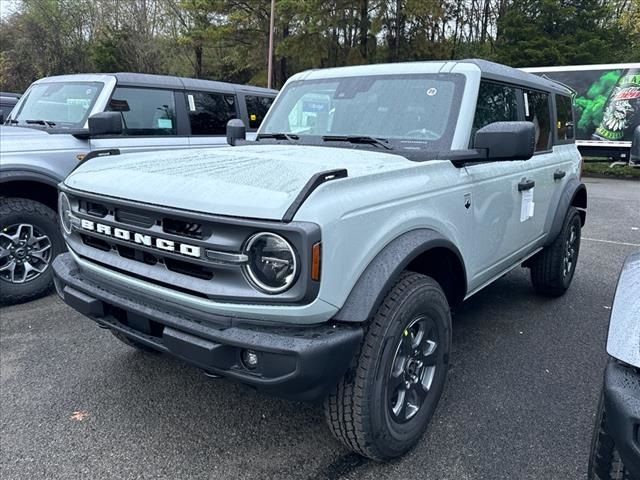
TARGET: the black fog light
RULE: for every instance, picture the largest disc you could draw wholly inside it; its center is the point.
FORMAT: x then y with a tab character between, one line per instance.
249	359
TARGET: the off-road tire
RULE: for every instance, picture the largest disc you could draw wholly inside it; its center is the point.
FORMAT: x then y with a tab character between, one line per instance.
548	267
357	410
17	211
604	461
132	343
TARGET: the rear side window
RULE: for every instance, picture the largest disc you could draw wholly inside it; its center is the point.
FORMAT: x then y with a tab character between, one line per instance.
564	116
145	111
257	108
496	103
536	110
209	112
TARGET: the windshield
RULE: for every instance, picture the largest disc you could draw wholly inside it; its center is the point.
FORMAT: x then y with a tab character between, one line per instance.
58	104
410	111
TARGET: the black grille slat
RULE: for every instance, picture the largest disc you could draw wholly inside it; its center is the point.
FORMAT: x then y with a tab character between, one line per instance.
183	228
137	219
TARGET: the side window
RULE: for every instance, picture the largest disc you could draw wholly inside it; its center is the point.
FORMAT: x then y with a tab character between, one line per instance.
536	110
257	108
496	103
145	111
564	116
209	112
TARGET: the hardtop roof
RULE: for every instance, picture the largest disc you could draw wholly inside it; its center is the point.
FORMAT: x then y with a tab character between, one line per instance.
502	73
166	81
489	70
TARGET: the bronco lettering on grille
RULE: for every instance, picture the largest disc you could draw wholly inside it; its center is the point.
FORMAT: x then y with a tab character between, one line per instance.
141	239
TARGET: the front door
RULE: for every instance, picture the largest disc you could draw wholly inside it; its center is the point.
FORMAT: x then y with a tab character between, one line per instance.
149	121
507	221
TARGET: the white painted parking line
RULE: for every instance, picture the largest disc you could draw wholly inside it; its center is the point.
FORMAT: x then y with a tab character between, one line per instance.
611	241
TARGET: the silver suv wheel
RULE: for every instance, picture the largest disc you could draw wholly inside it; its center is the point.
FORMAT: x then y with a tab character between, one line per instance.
25	253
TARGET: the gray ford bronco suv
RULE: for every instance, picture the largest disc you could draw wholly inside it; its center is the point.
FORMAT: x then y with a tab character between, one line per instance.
62	120
322	261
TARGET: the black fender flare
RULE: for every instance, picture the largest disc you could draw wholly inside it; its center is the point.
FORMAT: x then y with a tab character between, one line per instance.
567	197
21	175
383	271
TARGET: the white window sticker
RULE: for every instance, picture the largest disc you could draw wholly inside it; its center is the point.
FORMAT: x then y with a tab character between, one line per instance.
432	91
192	103
527	207
165	123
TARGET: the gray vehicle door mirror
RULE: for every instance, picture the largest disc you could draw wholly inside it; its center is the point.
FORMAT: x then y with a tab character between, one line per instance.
634	158
236	130
505	141
105	123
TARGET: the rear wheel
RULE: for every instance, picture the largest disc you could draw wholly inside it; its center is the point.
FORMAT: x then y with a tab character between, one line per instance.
605	462
29	241
553	268
383	404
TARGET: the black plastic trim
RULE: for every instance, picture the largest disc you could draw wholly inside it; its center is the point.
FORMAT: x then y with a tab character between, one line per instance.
555	218
383	271
622	407
296	362
314	182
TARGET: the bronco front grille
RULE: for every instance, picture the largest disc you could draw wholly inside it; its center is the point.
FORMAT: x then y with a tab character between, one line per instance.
198	253
176	244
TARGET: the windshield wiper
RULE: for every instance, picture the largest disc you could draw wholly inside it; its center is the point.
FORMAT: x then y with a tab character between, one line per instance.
12	121
46	123
383	142
280	136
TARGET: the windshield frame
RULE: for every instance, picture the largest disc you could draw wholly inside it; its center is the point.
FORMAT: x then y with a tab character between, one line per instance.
58	125
398	144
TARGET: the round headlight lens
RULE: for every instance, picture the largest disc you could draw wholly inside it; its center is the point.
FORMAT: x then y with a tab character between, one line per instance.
64	207
272	265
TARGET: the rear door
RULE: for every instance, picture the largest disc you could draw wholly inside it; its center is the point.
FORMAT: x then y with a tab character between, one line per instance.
150	120
255	108
208	114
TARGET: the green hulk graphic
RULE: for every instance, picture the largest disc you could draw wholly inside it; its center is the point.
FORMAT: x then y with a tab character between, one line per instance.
592	105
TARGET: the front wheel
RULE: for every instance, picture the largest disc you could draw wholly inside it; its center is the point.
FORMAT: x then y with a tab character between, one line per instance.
383	404
552	269
29	241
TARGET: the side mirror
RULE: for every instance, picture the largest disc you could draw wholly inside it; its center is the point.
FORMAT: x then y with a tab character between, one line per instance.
236	131
105	123
634	157
507	140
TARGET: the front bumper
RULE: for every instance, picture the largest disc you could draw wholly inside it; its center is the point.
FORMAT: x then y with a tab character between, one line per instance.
301	363
622	404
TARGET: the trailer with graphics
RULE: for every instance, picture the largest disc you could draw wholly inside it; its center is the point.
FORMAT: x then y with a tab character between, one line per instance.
607	105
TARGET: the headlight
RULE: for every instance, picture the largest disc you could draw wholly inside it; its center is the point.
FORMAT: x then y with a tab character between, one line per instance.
272	265
64	207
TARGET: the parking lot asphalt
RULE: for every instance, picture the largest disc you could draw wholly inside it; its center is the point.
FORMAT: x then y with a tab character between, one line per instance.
520	401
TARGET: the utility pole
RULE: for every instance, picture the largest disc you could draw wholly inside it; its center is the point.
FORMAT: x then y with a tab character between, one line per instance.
271	27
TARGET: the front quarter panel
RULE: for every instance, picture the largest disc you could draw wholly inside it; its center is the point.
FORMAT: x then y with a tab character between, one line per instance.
360	216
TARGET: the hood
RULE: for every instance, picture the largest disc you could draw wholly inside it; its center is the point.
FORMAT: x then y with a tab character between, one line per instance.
11	131
23	140
257	181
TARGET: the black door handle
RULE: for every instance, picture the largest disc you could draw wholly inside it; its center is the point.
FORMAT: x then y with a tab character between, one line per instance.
559	174
526	184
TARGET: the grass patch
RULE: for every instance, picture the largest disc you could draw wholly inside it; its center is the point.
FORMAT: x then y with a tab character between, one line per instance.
602	169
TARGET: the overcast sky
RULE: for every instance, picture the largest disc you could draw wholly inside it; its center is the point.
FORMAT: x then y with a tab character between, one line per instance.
7	7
